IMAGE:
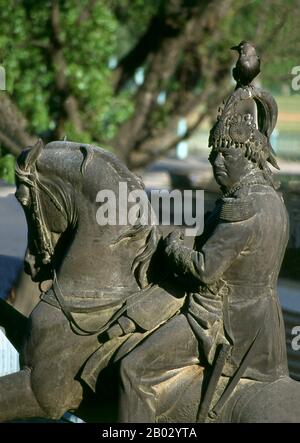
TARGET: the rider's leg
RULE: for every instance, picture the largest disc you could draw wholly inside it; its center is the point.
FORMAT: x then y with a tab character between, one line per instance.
153	365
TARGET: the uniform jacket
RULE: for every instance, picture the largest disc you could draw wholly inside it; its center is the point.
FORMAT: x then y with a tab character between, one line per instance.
235	265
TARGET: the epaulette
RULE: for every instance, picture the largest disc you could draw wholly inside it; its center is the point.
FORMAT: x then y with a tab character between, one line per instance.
236	209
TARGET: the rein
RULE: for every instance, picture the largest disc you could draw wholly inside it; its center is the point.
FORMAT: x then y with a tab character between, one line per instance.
80	331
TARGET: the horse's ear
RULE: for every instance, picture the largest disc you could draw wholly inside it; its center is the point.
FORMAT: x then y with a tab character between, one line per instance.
88	154
34	154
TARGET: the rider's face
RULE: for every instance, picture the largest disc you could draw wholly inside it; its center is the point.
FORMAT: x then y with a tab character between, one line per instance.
229	166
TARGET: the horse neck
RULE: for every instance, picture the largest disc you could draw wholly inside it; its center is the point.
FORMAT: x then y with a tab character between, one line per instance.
92	260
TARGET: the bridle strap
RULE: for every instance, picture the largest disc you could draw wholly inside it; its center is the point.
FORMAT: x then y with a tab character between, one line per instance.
78	329
31	178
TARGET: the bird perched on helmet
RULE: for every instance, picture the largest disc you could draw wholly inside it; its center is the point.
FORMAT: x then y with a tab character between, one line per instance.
248	64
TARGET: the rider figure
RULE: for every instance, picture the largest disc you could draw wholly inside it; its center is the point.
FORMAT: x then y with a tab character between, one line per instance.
233	268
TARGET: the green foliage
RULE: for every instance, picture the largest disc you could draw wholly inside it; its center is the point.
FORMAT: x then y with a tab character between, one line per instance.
90	37
133	19
272	26
88	44
7	168
92	34
27	76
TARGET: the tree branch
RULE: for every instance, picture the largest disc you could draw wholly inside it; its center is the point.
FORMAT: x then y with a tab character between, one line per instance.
161	66
12	147
68	101
168	138
13	126
150	42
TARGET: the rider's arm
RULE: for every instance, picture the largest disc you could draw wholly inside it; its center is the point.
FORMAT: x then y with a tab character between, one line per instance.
229	240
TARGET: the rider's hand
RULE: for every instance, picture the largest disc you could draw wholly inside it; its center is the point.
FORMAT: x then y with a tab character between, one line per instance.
173	238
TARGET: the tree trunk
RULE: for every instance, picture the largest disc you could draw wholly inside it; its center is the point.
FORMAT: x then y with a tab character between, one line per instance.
14	135
68	102
134	141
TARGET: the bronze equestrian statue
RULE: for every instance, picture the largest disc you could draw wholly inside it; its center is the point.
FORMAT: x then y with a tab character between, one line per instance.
143	325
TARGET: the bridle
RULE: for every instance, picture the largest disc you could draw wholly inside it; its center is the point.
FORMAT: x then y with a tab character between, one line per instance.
44	245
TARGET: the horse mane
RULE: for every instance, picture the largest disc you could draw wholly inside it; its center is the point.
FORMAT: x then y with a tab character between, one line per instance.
142	261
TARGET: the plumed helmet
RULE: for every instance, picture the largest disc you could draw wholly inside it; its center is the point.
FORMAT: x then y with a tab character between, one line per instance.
237	128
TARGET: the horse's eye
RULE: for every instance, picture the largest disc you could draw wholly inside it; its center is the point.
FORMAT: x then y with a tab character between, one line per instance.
23	195
24	201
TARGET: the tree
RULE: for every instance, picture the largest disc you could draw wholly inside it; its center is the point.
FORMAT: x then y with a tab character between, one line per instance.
121	73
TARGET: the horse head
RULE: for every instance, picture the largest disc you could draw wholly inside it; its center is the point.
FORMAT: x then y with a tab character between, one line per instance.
57	186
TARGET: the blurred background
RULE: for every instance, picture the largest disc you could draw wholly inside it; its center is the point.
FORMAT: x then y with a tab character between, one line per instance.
144	79
139	76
